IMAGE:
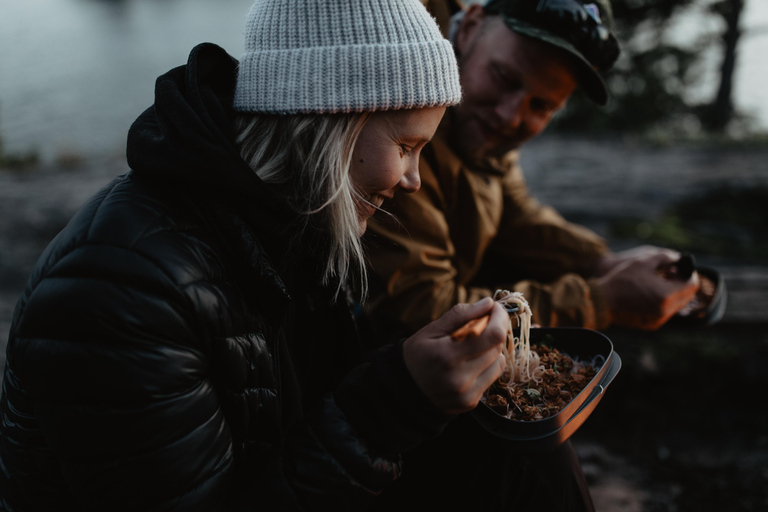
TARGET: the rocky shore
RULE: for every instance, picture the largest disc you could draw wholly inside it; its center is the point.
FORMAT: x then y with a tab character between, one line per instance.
678	428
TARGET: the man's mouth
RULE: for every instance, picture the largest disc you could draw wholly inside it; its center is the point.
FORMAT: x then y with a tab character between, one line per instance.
488	129
499	136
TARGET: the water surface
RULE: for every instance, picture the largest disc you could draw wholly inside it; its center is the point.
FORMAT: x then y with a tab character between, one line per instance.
75	73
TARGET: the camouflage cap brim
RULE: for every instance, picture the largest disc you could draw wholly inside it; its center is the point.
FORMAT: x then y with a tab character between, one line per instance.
588	78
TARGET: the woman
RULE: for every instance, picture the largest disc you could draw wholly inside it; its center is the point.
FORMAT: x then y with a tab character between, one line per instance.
186	342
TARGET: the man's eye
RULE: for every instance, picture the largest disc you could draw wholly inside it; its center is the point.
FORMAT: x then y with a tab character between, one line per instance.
406	149
499	75
540	106
505	80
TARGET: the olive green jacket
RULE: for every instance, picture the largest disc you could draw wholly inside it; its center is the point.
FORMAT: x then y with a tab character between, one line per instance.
468	232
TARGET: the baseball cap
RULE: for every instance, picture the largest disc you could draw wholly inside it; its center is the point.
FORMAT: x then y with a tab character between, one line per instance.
583	28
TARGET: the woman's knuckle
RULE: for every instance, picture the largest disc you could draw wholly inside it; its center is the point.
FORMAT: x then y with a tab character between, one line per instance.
498	333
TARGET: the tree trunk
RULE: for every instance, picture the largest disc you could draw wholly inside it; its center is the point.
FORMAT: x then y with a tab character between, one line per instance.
721	111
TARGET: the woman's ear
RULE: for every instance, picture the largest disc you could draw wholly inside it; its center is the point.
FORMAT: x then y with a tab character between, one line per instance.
469	27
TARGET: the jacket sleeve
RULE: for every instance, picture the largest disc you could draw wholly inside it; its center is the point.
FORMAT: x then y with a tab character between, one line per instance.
548	259
112	378
111	383
413	260
350	451
414	255
536	238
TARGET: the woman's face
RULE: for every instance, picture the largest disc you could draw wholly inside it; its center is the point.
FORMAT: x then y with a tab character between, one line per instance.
386	156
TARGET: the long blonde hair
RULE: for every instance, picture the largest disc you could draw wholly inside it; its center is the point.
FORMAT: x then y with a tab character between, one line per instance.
312	154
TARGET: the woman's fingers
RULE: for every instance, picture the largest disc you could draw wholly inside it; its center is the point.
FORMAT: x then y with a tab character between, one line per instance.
453	374
460	314
492	336
490	375
471	329
485	371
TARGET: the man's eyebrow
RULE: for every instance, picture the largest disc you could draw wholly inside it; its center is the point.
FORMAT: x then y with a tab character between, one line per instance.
502	65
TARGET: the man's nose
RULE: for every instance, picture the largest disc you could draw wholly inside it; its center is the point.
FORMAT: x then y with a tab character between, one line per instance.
509	110
411	180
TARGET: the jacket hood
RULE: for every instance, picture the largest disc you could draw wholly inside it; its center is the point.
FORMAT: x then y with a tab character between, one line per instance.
187	136
187	140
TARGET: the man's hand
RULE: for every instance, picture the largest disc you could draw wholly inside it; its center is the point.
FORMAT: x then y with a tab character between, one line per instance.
455	373
638	289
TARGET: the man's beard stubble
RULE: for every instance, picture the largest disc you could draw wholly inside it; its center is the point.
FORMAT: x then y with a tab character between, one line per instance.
467	142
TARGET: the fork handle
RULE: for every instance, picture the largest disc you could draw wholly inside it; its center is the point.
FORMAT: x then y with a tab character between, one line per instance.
472	328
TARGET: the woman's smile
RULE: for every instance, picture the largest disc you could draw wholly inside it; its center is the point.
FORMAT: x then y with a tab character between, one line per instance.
386	156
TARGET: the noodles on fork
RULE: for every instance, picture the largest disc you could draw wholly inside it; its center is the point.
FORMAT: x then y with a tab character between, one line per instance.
523	364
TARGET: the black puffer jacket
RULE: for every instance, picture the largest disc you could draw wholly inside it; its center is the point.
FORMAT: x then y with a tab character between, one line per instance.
170	353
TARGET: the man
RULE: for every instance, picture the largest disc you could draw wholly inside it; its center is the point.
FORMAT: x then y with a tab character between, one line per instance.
473	228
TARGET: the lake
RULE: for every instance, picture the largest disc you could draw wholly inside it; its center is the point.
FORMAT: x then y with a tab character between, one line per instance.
75	73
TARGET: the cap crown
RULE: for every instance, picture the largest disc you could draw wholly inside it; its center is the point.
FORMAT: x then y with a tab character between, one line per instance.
583	28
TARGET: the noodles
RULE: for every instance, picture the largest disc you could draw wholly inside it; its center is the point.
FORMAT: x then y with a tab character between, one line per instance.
523	364
536	384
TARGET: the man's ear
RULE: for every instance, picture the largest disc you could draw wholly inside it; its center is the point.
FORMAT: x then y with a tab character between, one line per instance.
468	29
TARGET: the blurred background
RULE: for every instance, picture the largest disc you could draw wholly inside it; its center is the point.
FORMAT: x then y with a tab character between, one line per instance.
679	158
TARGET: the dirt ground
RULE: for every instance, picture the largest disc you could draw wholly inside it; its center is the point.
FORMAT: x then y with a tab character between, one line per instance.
683	427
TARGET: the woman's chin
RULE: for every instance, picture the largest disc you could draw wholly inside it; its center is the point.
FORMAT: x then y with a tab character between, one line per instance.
362	226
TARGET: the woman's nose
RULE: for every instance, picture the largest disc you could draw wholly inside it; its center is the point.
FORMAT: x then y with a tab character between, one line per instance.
411	180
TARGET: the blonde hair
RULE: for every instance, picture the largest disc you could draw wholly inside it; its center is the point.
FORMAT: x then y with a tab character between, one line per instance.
311	154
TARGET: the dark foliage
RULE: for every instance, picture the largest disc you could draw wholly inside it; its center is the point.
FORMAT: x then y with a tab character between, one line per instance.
724	221
651	79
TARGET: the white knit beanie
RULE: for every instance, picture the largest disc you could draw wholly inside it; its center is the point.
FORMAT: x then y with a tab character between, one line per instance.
328	56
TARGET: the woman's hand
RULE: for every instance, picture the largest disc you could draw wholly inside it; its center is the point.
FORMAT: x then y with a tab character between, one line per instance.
455	373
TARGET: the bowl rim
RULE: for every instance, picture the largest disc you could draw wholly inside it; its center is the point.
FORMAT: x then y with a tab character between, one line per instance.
715	310
577	410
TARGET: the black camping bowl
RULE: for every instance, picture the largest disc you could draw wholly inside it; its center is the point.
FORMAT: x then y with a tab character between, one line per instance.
547	433
706	309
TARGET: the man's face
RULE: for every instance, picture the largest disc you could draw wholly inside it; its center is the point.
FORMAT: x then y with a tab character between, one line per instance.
512	86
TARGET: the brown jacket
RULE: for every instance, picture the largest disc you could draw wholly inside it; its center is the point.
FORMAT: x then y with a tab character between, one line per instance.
468	232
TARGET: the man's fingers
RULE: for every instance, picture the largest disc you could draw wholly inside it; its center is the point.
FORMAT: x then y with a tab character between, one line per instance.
686	293
663	259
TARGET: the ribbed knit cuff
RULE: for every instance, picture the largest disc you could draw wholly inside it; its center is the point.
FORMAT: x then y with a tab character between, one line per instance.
348	78
383	402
